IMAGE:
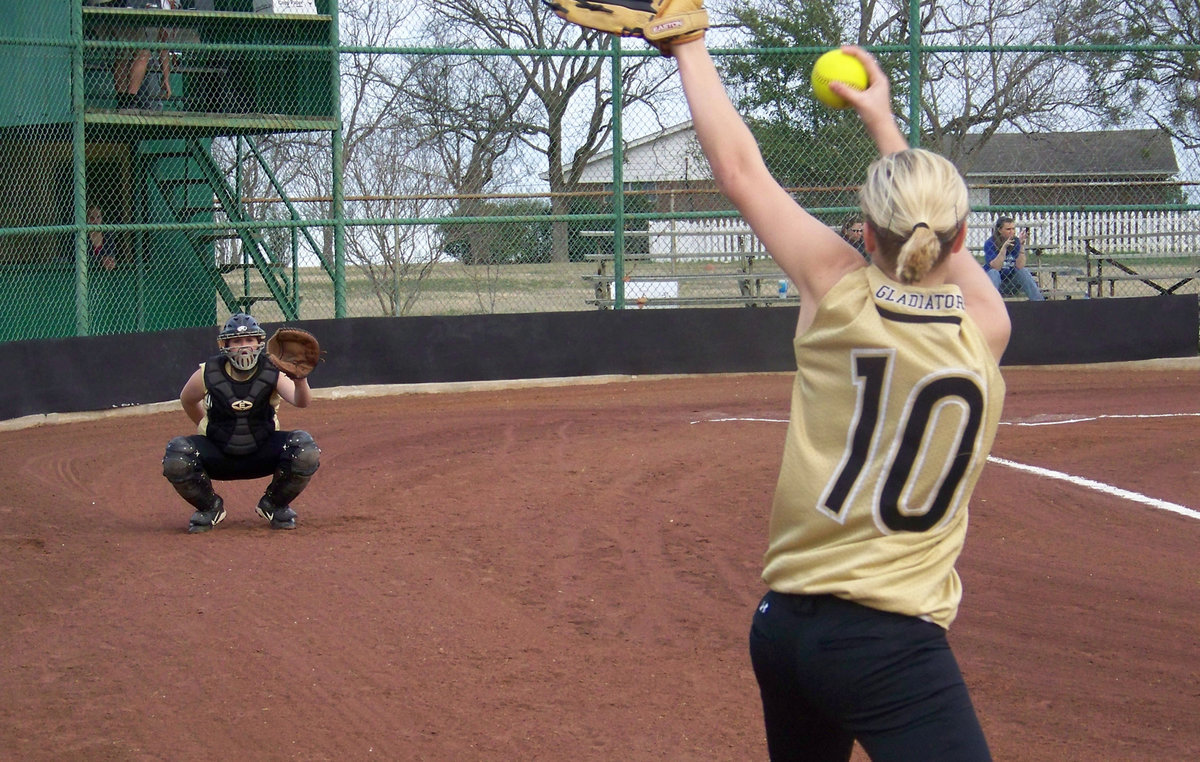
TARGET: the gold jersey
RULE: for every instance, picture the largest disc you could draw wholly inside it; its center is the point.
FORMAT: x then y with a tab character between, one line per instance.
894	410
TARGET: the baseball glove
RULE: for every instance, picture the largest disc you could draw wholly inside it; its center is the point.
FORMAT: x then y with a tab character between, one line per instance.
661	23
294	351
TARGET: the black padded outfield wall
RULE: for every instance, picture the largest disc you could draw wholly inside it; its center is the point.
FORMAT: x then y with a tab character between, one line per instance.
102	372
1103	330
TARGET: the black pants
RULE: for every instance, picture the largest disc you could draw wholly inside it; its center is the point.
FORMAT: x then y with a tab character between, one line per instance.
831	672
222	467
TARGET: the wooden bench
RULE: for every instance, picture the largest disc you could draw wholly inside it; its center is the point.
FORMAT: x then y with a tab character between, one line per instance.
1170	276
744	280
1181	277
746	270
1165	280
698	301
1058	275
749	287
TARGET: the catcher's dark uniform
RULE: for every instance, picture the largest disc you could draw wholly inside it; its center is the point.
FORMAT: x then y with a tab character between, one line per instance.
239	438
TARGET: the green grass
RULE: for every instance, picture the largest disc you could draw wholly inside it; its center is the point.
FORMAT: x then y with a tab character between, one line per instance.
455	289
450	289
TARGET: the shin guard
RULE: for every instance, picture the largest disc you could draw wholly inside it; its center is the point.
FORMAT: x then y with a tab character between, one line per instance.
301	459
182	467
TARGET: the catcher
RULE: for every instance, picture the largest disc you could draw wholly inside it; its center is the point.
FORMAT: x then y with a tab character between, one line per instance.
232	398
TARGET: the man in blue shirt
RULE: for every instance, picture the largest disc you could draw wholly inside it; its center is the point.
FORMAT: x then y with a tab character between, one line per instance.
1004	261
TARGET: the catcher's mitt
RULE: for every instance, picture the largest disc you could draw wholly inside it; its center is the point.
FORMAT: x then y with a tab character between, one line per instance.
661	23
294	351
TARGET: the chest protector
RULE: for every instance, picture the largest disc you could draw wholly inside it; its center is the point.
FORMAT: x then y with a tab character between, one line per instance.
240	414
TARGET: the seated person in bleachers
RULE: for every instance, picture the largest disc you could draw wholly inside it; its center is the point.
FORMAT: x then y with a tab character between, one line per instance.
1004	261
852	232
101	249
131	65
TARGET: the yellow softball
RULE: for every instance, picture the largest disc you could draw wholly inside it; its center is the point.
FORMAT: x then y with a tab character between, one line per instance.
836	66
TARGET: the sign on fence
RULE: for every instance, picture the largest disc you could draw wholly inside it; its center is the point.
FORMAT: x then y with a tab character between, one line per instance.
638	290
285	6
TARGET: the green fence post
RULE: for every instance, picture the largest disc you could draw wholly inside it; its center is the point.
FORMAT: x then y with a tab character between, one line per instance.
618	182
79	174
339	220
914	73
240	210
141	202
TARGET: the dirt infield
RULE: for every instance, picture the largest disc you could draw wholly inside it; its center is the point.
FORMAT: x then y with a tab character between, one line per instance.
568	574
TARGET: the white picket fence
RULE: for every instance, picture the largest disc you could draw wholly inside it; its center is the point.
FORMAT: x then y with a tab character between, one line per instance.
1179	231
711	238
1064	230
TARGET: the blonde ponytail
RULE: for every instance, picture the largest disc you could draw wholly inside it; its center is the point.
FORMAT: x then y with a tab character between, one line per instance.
915	202
918	255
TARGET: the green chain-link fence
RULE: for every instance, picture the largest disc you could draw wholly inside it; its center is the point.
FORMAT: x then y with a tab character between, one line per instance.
165	166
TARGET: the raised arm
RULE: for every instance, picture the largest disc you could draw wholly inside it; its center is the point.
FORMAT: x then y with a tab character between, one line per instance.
1021	256
813	255
294	391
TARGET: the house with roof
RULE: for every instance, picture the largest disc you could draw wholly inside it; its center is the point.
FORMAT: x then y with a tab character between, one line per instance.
668	173
667	165
1100	168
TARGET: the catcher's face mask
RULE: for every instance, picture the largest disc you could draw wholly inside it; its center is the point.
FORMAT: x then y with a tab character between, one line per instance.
243	351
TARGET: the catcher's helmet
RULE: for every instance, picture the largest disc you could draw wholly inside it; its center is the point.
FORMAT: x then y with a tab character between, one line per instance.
241	324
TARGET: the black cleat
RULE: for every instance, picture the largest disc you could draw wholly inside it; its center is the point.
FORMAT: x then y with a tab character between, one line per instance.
204	521
284	518
280	518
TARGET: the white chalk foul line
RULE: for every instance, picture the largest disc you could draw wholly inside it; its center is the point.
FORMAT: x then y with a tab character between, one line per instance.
1079	481
1107	489
751	420
1085	419
1054	422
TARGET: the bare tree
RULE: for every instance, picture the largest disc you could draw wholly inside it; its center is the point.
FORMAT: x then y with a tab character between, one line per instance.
573	93
396	257
388	174
964	92
381	181
468	114
1161	81
1004	88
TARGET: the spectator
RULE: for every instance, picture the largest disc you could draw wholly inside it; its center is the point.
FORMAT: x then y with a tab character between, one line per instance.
101	251
1004	261
131	65
852	231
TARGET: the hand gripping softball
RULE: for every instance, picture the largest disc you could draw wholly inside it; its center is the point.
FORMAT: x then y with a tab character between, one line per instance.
661	23
294	351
